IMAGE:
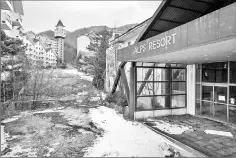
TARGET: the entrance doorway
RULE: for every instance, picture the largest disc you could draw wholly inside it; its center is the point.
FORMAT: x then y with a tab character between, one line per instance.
214	101
216	91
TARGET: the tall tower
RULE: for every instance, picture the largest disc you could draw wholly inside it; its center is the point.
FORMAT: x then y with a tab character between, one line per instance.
60	34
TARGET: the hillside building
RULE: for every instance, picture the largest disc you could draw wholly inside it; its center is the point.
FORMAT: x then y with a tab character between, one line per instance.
11	17
38	53
60	34
184	62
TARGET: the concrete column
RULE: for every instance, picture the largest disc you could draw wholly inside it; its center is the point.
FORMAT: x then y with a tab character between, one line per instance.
167	77
132	91
191	89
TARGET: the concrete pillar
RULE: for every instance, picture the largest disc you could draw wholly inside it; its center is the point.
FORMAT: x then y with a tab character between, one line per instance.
167	77
191	89
132	91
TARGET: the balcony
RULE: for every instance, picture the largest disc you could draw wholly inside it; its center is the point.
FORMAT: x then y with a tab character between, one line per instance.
6	23
6	5
16	19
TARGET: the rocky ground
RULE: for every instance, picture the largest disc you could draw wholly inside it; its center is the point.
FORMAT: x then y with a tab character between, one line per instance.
76	124
64	129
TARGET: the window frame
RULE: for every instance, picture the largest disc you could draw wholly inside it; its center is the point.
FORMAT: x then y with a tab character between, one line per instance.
170	68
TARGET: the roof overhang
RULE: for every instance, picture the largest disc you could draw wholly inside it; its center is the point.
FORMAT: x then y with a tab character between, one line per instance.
173	13
206	39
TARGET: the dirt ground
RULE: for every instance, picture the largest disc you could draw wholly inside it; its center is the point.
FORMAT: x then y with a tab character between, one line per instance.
64	129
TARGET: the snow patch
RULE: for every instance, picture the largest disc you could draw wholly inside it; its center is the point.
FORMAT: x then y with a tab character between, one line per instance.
94	98
104	95
121	135
82	93
170	128
80	74
222	133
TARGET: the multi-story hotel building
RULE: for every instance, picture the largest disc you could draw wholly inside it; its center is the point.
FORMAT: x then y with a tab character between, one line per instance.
38	53
11	17
60	34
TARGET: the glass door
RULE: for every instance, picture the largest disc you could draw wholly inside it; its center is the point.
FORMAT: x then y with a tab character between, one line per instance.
214	101
216	91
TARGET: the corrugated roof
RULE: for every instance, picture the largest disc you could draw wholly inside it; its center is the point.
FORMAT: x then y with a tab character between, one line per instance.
173	13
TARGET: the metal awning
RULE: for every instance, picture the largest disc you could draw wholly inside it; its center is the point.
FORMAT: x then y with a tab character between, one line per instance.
209	38
173	13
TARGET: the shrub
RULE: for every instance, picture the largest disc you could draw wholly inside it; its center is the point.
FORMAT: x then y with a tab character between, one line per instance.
63	66
118	98
111	98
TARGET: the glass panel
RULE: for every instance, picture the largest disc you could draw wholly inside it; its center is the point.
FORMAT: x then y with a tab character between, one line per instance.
173	65
198	74
178	75
178	87
182	65
232	114
233	72
198	110
220	94
232	95
144	74
198	91
208	75
221	76
161	88
139	74
147	88
139	64
159	102
149	64
219	111
160	65
215	72
206	108
178	101
207	92
144	103
161	74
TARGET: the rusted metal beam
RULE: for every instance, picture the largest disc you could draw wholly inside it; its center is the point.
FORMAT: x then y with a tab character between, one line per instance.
183	8
132	91
117	77
125	84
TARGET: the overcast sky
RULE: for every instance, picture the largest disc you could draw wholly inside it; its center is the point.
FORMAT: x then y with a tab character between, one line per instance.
43	15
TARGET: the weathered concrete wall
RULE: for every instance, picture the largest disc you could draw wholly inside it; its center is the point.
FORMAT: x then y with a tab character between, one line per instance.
157	113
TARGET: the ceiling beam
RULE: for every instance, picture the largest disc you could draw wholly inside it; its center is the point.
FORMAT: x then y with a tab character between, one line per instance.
156	30
196	11
210	9
171	21
157	13
201	1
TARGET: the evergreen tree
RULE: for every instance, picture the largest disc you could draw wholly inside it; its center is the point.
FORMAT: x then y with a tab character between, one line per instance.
99	44
11	46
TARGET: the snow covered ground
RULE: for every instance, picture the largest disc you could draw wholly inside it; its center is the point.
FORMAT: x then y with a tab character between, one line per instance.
170	127
81	74
126	138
